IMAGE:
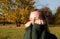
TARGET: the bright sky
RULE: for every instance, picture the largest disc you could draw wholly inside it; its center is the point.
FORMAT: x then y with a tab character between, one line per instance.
52	4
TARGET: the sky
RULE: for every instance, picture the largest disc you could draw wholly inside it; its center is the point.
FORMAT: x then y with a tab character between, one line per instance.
52	4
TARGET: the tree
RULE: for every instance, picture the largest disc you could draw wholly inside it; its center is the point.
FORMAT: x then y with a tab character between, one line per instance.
17	11
3	11
57	15
27	6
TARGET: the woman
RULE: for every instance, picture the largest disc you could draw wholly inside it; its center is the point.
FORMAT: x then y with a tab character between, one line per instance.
36	28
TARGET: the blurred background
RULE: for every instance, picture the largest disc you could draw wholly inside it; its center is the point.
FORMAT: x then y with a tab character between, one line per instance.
15	13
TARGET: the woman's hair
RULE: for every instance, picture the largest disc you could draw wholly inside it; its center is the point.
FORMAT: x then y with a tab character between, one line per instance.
35	10
43	17
41	13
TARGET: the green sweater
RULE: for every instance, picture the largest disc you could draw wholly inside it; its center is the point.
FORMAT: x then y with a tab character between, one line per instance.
35	31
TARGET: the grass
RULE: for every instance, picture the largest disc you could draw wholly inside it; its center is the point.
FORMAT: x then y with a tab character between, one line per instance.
11	33
17	32
55	31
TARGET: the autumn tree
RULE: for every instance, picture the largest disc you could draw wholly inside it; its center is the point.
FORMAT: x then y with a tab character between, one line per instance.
16	11
3	12
21	10
57	15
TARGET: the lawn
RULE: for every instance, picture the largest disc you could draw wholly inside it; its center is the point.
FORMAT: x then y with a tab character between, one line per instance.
55	31
17	32
11	33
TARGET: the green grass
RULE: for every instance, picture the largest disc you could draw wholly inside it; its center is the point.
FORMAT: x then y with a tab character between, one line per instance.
55	31
11	33
17	33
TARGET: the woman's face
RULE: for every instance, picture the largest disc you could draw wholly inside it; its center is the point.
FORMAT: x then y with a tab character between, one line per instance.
34	15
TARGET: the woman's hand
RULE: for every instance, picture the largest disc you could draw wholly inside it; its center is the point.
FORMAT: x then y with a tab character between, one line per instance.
28	24
32	22
39	21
